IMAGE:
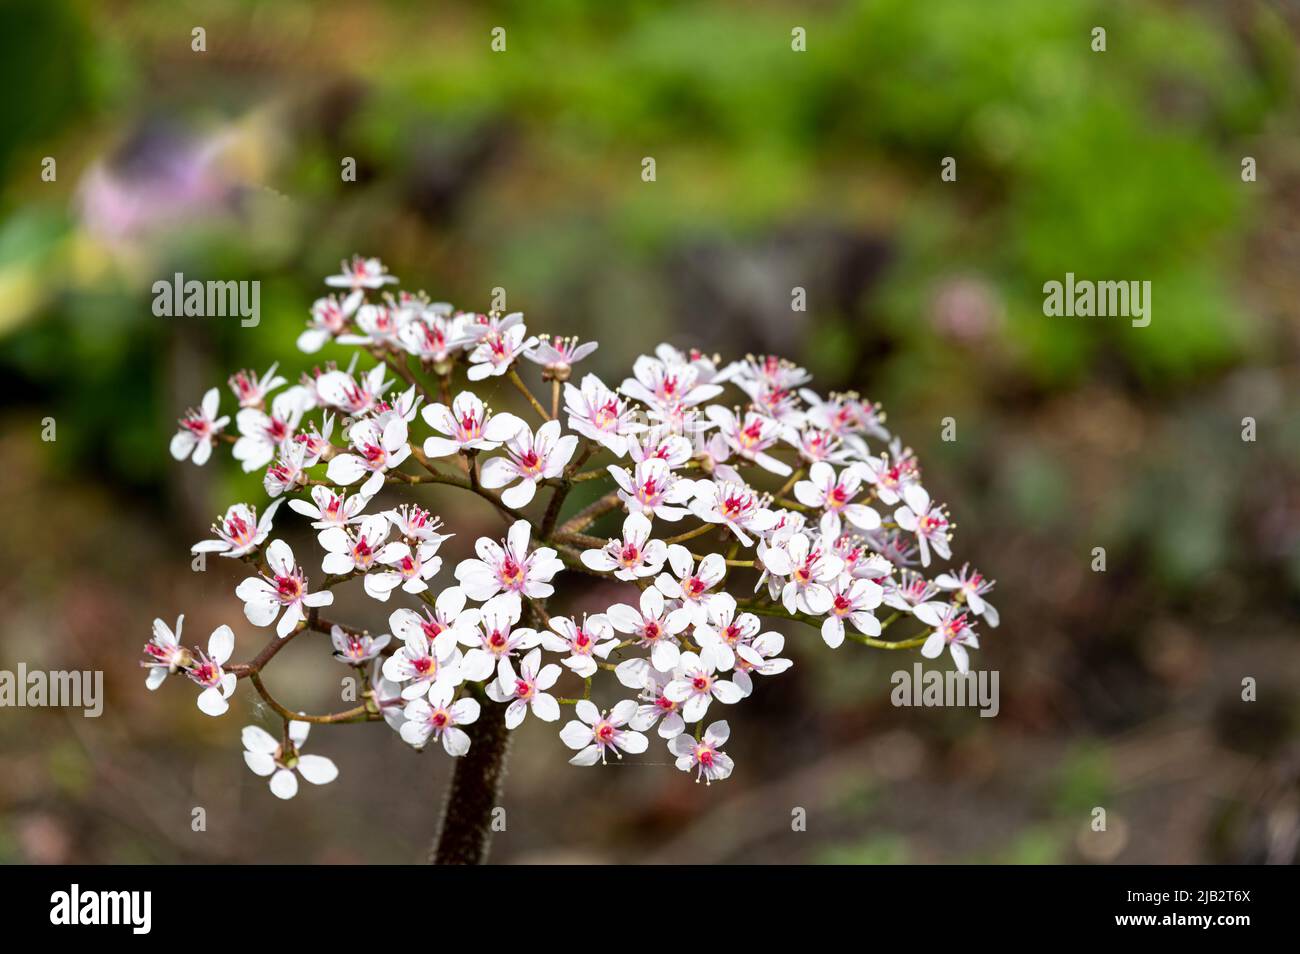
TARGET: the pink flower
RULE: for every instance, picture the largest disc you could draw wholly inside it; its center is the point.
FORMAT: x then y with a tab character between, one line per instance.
557	356
653	489
199	429
598	413
206	671
705	756
284	588
509	567
734	505
494	354
262	436
412	568
361	273
529	459
355	649
416	524
239	532
851	600
690	585
338	389
634	556
928	521
951	629
806	568
428	652
834	496
750	437
251	390
972	586
329	319
467	426
330	509
349	551
599	733
375	452
760	656
288	473
667	388
164	653
656	707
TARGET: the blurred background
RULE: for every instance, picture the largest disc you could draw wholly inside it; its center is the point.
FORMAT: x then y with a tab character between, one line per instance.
775	169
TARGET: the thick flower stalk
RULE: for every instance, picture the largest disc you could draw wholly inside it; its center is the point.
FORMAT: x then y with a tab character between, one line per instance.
745	497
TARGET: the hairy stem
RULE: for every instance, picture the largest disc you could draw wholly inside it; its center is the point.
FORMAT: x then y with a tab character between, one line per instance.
475	788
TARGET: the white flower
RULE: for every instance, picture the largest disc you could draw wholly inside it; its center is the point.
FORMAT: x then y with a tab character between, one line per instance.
909	592
353	552
340	390
378	324
262	436
288	472
892	472
557	356
928	521
834	496
530	458
734	505
356	648
497	350
199	429
329	319
599	733
331	509
239	532
251	390
750	437
164	653
690	585
467	425
284	588
441	718
632	557
526	690
361	273
412	568
206	671
653	626
416	525
951	629
726	631
376	452
428	652
972	586
705	756
667	388
594	638
510	568
431	337
851	599
653	489
660	443
496	637
807	569
760	656
600	414
265	756
695	684
656	707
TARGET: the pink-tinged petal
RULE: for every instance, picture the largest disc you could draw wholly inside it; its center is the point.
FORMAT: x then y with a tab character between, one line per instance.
284	784
833	632
317	769
545	707
455	742
717	733
634	743
576	735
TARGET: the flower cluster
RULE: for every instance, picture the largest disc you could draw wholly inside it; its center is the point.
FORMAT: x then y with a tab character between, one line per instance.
736	496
